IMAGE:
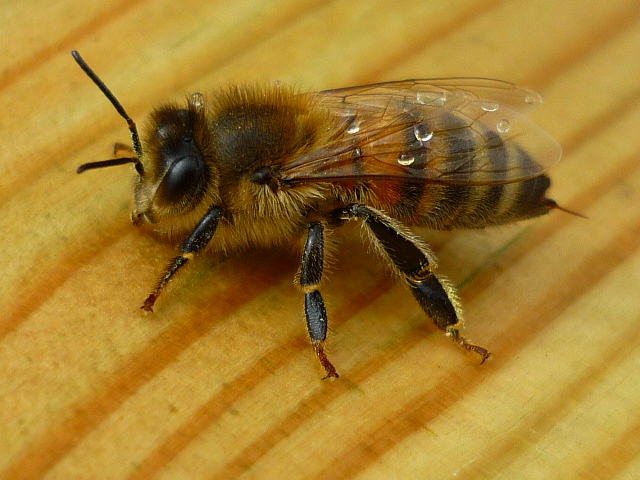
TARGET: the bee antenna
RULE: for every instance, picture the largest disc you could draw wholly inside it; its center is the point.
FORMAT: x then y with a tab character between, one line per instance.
135	138
109	163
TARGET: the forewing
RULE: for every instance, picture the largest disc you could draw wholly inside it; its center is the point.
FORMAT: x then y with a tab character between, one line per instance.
488	92
457	131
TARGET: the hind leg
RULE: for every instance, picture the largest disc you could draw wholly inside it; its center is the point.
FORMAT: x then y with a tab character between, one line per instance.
411	260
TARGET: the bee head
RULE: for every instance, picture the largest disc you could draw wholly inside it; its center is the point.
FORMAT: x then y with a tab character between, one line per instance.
173	176
177	177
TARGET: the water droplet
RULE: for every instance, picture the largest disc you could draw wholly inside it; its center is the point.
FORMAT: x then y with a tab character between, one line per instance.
196	99
489	107
503	126
277	83
357	152
531	99
353	128
406	159
422	133
431	98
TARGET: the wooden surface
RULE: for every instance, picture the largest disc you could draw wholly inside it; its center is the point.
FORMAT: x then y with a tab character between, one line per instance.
220	382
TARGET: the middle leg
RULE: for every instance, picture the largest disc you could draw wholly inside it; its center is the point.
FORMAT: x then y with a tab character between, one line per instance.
309	278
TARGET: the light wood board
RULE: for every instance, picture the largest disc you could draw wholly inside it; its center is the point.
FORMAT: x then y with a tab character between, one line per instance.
220	381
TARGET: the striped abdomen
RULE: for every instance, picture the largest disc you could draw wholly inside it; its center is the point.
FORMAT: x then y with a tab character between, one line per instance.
478	181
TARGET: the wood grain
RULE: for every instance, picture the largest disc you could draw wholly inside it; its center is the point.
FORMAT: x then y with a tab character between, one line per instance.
220	382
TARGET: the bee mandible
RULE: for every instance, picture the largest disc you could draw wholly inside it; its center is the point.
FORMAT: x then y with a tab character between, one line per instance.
264	165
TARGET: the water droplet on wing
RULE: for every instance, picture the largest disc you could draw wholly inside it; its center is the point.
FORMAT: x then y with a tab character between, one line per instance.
406	159
503	126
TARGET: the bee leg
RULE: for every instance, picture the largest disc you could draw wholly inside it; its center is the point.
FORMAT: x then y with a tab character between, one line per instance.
309	278
435	298
194	243
414	263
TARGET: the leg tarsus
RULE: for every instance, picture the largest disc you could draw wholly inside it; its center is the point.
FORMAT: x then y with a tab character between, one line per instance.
454	334
147	306
316	315
324	361
173	267
195	242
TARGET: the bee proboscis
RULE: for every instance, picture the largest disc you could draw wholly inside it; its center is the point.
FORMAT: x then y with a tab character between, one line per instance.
263	165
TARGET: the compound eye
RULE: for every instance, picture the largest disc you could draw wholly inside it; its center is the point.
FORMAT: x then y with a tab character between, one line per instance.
184	179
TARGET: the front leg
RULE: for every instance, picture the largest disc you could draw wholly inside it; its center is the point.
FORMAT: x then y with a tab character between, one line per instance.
309	278
413	262
195	242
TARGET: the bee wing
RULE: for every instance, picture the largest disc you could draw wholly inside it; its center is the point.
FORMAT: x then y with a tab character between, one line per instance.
456	131
486	91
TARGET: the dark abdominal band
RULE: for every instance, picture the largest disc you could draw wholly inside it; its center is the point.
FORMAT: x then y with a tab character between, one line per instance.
484	201
442	203
411	192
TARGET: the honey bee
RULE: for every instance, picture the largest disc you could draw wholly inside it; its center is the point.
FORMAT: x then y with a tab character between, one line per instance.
262	165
